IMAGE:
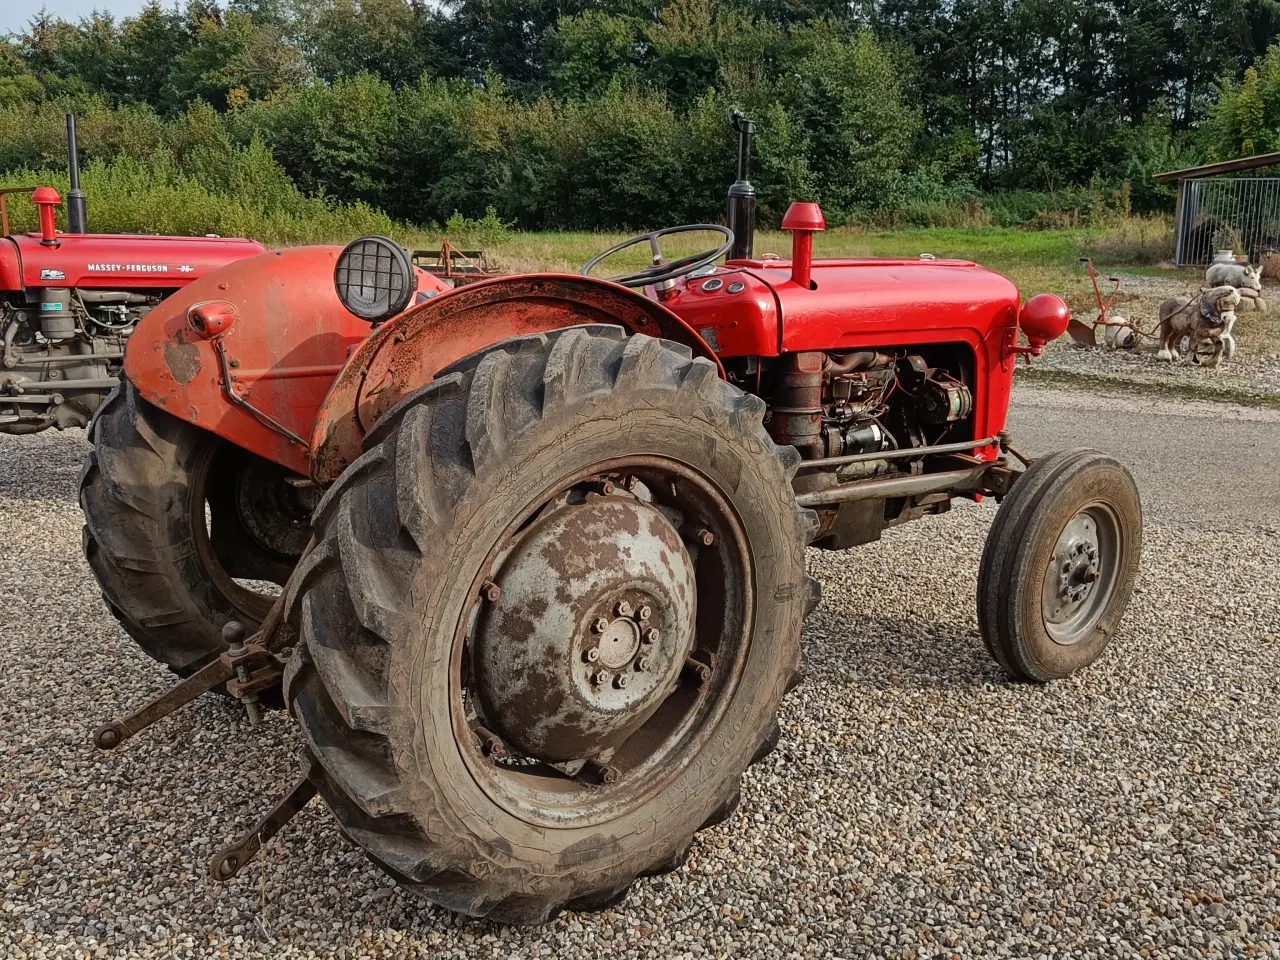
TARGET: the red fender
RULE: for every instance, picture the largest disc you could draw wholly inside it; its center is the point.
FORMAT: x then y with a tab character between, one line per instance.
288	339
405	353
309	379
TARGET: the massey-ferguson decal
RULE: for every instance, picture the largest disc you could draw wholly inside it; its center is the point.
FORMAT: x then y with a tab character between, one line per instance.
133	268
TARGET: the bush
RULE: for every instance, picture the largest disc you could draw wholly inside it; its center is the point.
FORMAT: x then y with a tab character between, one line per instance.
487	231
154	196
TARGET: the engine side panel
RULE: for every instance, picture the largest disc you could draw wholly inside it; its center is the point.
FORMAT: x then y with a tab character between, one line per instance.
860	304
122	262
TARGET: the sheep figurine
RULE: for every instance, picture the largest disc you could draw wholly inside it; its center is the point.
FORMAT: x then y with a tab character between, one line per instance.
1242	276
1119	333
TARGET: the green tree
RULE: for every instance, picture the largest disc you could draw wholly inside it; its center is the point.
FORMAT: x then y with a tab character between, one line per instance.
848	97
17	83
397	40
1245	116
232	60
330	138
593	50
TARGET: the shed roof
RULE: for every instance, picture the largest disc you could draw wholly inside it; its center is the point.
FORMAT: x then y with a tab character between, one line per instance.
1225	166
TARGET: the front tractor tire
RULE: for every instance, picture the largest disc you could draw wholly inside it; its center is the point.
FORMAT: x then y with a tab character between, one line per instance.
548	622
1059	565
183	530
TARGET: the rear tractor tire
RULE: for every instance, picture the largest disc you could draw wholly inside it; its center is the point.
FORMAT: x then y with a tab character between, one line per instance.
1059	565
548	621
175	518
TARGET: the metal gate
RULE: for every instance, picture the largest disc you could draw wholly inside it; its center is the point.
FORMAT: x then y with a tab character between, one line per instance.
1225	213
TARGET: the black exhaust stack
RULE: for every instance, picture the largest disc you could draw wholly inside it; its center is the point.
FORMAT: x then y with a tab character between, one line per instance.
742	195
76	212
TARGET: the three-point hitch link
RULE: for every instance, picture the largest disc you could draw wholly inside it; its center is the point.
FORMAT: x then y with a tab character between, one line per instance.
228	861
245	668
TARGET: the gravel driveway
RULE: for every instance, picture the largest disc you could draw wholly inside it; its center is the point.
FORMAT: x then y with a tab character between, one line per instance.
919	804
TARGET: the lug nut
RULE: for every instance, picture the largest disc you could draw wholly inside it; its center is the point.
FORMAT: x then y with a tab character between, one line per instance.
601	625
644	612
624	608
602	773
642	663
491	591
620	681
699	672
592	655
602	677
651	636
490	743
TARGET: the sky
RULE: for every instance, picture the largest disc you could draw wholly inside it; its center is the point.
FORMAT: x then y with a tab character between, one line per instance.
14	14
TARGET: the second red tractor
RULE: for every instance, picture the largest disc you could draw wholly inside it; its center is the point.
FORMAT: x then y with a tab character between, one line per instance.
69	301
538	543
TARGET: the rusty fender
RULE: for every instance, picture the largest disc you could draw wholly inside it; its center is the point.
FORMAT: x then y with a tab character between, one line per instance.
408	351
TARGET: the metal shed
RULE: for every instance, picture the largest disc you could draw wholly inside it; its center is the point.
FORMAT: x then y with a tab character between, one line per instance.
1219	211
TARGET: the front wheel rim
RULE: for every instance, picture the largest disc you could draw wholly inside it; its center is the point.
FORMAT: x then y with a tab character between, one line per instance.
1082	574
556	791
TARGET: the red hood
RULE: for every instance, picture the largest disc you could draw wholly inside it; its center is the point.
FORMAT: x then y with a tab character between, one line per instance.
856	301
116	261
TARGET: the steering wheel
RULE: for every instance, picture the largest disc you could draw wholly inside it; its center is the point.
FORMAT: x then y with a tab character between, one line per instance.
661	270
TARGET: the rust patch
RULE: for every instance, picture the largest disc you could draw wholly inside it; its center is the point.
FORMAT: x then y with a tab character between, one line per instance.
183	360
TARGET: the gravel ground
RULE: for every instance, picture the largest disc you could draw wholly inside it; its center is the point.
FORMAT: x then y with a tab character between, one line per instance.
919	804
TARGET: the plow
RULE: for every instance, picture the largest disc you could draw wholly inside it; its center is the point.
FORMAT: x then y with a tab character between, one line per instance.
524	557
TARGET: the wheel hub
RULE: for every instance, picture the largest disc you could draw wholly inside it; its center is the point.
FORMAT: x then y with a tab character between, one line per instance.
589	631
1079	571
619	642
276	514
1076	560
1081	575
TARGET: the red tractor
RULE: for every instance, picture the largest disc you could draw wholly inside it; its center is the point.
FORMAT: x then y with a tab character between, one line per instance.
68	302
540	540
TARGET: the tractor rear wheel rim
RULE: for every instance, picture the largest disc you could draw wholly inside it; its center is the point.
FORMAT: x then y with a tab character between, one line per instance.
253	603
1082	573
273	512
639	642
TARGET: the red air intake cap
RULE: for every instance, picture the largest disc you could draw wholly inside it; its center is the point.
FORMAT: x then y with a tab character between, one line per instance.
804	216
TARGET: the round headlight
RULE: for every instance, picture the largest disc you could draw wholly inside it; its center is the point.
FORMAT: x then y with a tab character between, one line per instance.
374	278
